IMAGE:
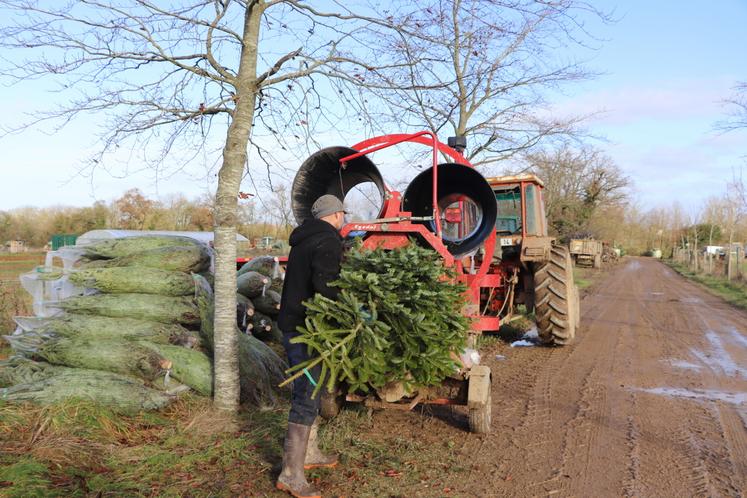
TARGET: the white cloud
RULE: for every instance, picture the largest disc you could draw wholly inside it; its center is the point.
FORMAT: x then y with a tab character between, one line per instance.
662	100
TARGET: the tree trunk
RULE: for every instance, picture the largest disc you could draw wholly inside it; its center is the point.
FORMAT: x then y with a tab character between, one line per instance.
226	360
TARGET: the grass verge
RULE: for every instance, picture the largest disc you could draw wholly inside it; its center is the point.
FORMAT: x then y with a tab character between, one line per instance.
733	292
14	301
81	449
584	277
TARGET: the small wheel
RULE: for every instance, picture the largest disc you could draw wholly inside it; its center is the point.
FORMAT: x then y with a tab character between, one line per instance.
331	404
480	417
479	399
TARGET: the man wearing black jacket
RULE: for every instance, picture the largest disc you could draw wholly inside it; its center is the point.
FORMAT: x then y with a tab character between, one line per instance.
314	261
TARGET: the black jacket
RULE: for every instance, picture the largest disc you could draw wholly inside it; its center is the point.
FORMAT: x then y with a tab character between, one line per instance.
314	261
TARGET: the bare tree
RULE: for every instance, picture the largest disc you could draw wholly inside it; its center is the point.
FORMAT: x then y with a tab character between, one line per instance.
578	182
737	109
281	212
487	66
162	75
734	209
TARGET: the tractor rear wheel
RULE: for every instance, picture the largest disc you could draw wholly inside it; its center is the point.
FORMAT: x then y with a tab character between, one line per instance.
556	299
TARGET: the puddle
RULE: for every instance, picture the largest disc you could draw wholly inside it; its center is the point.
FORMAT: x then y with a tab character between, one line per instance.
691	300
633	265
738	337
708	395
719	359
683	364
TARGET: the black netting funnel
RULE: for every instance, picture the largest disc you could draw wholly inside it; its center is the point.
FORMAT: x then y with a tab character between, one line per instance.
466	204
321	174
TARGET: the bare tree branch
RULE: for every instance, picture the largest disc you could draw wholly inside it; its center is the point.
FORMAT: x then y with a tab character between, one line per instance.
737	110
488	65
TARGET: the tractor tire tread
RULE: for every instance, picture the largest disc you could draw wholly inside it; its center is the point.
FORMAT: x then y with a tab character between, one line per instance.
556	296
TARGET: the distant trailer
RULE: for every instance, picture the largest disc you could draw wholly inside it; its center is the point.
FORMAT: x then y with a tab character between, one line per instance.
586	252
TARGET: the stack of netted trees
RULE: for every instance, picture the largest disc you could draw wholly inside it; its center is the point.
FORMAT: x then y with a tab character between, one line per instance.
259	286
138	333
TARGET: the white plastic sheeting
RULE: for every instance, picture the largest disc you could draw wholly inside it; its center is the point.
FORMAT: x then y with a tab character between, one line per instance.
46	292
105	234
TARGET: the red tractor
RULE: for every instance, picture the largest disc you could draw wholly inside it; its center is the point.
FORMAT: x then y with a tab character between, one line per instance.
534	271
492	231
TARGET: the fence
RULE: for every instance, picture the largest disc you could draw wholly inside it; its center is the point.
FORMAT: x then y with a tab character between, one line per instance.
730	265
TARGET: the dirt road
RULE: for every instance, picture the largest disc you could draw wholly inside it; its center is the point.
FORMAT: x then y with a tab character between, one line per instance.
651	400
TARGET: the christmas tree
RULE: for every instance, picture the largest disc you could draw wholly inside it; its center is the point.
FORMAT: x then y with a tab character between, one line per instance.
398	318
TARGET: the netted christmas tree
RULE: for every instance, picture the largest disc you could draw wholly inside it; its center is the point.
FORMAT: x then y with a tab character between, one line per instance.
398	319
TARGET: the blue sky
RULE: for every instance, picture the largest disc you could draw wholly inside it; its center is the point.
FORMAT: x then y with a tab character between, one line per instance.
665	65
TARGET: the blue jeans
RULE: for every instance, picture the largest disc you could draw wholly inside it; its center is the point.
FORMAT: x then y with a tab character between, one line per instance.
304	409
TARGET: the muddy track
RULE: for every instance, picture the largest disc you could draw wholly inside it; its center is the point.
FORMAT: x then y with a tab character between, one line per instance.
651	400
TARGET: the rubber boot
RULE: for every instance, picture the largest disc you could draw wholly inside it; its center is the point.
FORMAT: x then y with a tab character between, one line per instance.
314	456
292	478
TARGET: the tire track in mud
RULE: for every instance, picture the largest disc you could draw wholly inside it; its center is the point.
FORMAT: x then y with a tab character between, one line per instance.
734	432
534	433
707	458
580	435
632	481
727	460
571	407
511	406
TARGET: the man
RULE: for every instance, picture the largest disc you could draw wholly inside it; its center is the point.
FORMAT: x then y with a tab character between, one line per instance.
314	261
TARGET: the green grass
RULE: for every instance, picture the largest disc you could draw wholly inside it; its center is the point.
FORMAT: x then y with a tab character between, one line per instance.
582	283
81	449
14	300
734	292
584	277
28	478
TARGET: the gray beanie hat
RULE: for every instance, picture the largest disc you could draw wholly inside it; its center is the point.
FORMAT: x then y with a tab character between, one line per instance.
326	205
